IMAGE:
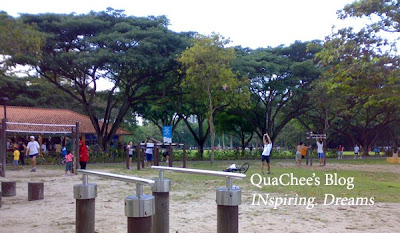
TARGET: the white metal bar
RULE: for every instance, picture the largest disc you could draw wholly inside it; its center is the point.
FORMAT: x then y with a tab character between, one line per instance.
33	131
201	172
55	125
113	176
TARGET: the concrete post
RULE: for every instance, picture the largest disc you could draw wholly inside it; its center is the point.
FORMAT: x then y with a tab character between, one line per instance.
228	200
161	191
139	210
85	195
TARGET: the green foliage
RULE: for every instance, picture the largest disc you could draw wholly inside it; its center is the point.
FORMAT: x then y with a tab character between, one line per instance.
135	54
18	41
209	76
279	81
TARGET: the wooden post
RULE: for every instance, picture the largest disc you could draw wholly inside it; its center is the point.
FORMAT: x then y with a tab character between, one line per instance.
127	163
143	157
76	156
171	156
156	155
138	155
3	147
8	188
184	156
35	191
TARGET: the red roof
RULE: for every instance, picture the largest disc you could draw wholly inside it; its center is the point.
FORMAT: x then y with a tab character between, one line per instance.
32	115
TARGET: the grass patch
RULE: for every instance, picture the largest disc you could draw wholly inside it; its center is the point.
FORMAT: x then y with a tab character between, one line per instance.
384	187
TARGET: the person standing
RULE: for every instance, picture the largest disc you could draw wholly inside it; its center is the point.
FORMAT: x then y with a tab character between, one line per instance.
32	149
16	157
356	151
149	151
304	151
320	151
340	152
130	148
83	154
298	153
68	166
266	153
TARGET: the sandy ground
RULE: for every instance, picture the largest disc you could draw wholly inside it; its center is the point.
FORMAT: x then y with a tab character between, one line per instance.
190	211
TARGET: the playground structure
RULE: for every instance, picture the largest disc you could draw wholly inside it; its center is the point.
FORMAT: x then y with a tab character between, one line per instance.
32	128
140	153
311	137
150	213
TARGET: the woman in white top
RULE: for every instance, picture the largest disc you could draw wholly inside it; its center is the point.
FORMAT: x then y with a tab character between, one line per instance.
320	151
32	149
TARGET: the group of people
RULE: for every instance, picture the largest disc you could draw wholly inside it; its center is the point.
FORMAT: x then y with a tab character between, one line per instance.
149	151
32	149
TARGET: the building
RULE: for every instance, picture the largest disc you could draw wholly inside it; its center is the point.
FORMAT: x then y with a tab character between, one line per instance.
59	123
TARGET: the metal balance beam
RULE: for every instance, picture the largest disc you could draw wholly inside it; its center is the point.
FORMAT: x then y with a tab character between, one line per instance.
228	199
139	208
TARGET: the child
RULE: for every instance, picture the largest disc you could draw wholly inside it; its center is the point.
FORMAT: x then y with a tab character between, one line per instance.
16	157
68	166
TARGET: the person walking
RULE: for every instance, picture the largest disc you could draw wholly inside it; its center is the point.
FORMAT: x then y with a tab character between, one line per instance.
266	153
32	149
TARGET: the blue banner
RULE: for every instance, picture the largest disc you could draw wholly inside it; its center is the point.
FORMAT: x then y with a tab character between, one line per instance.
167	134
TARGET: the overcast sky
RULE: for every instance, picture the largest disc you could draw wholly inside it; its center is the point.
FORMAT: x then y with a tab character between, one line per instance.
251	23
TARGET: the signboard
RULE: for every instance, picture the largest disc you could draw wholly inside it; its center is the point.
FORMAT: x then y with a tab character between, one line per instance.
167	134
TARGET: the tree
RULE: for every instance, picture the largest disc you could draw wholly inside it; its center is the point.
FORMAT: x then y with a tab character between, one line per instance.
387	12
134	54
280	79
366	77
209	75
18	40
229	121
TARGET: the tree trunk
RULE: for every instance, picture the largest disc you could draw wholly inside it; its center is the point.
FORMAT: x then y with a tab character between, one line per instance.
231	141
212	134
223	141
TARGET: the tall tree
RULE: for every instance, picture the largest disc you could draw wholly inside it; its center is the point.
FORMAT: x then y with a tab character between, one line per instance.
280	79
134	54
209	75
366	77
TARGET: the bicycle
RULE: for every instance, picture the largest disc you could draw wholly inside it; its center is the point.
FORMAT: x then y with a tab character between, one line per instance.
233	168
